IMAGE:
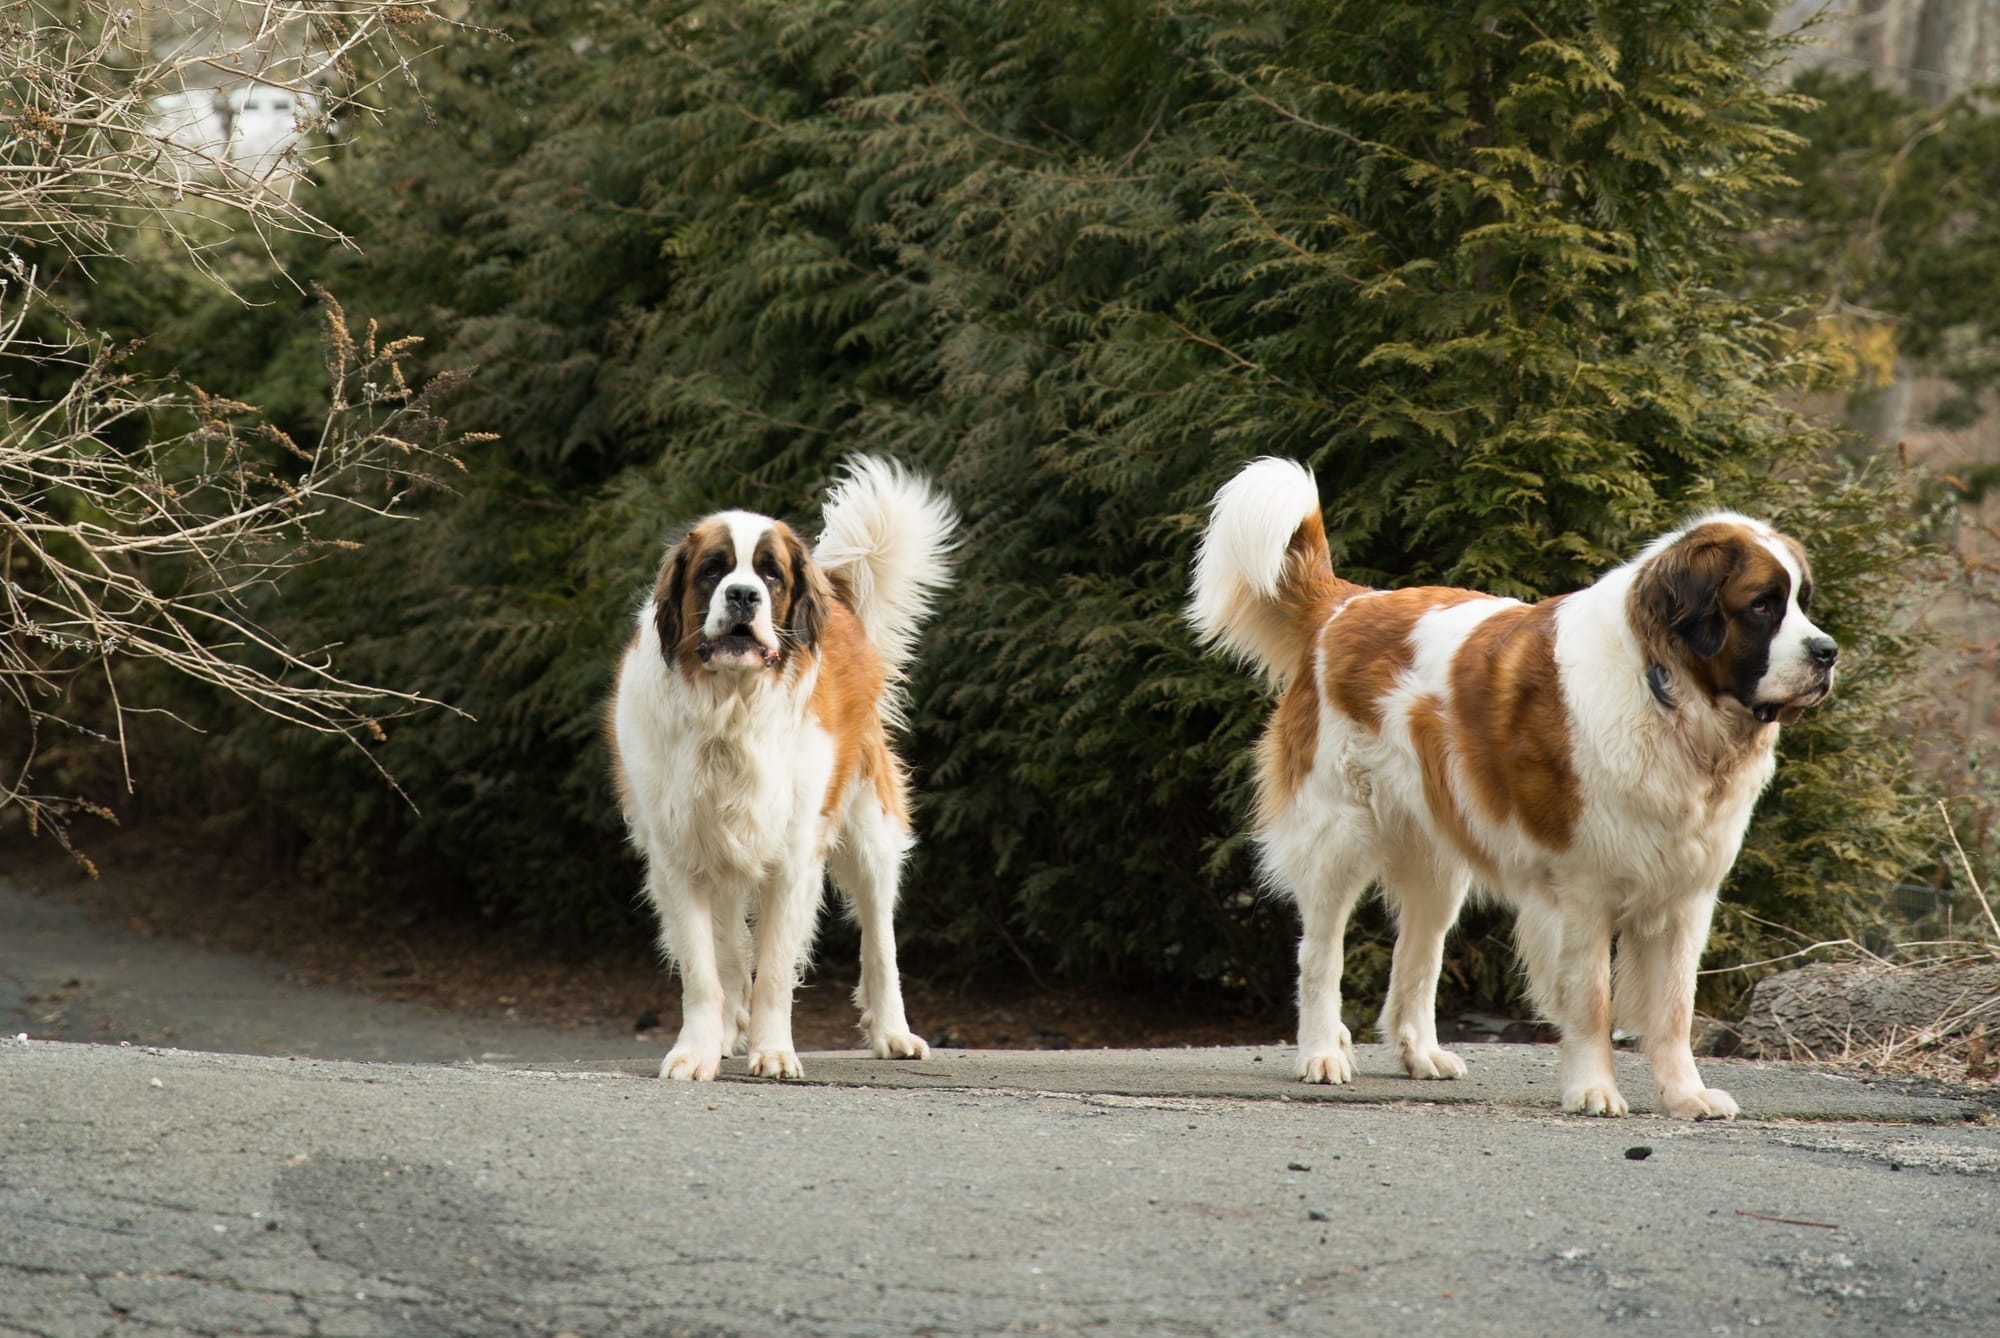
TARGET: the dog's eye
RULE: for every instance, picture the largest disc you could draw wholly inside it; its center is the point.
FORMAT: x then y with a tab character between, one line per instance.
772	578
711	570
1764	605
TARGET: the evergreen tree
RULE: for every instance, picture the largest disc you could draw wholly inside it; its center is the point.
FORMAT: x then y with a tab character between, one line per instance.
1474	264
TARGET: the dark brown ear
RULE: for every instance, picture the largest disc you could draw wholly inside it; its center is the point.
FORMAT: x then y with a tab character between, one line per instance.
669	597
812	598
1681	590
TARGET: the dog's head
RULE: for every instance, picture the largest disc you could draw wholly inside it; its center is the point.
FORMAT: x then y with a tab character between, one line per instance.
738	593
1725	603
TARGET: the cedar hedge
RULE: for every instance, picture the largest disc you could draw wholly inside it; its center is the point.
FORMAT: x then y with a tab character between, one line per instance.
1483	266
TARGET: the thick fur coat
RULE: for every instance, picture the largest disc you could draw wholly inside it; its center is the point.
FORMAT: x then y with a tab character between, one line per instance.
750	731
1593	759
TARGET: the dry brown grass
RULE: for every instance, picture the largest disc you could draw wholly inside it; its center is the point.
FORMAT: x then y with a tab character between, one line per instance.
1926	1008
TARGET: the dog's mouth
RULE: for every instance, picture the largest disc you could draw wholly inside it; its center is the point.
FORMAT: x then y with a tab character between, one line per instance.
1787	712
739	647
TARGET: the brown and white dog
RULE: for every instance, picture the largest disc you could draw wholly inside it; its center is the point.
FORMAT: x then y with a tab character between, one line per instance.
1592	758
749	732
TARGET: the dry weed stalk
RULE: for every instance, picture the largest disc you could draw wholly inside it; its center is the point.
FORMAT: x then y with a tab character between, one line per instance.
137	517
1971	879
1953	1046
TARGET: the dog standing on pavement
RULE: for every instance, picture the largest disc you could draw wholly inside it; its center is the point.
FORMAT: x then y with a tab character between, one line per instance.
1593	759
749	732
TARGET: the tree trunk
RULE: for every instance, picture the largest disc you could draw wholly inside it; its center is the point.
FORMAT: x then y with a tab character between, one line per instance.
1840	1010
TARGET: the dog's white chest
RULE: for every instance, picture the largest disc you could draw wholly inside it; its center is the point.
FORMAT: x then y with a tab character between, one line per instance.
725	780
740	807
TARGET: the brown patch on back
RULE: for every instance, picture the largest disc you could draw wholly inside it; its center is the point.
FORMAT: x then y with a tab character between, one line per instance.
1362	651
1430	736
1509	727
1365	648
1308	593
847	703
841	586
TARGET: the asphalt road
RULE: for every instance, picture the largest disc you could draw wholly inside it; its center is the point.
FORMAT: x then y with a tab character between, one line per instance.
216	1194
1106	1192
66	976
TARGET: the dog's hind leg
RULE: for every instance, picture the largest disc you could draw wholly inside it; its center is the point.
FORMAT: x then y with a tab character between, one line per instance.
1324	867
1425	896
866	866
732	961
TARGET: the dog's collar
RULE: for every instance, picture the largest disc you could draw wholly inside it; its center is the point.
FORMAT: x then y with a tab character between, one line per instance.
1662	690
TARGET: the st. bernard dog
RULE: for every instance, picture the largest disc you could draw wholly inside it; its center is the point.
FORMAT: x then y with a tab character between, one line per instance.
1592	758
749	732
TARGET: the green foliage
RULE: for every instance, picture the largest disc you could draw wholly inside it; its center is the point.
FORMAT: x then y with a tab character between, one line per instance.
1470	262
1896	214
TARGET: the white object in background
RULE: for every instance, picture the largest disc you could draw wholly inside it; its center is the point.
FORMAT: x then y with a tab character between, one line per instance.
193	124
265	121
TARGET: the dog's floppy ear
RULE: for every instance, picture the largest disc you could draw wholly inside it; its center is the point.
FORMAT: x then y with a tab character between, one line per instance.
669	595
1681	590
812	597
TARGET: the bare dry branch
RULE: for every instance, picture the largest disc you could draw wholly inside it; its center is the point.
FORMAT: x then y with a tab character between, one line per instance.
197	126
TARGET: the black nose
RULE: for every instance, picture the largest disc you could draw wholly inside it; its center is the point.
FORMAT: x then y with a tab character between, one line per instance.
743	598
1822	650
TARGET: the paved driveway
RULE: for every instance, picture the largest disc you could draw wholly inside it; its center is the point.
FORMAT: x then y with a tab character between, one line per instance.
1180	1192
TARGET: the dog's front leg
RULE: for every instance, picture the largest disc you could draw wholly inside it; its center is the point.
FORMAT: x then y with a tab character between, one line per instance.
687	936
1656	979
1567	947
787	909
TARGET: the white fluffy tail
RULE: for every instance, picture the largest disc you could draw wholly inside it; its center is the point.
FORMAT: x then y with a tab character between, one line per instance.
1262	574
887	536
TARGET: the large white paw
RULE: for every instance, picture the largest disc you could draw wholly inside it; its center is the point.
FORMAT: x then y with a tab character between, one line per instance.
1332	1066
1594	1099
1699	1103
1331	1060
775	1062
1428	1061
899	1045
683	1065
